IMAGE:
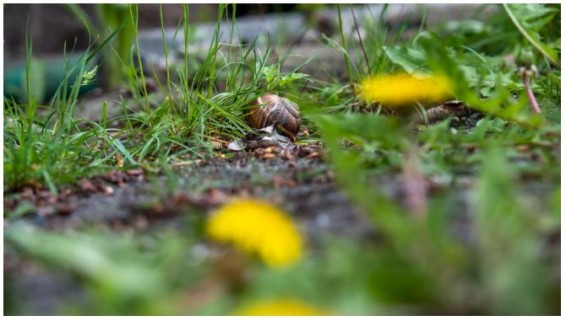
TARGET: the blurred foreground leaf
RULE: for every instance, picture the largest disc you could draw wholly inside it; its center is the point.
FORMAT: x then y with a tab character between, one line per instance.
515	278
124	278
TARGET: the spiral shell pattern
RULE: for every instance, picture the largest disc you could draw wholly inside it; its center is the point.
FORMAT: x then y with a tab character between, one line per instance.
280	112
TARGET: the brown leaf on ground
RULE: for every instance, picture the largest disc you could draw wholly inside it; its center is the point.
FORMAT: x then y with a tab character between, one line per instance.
287	154
313	155
217	142
37	186
28	193
268	156
279	181
86	185
116	177
213	197
135	172
65	209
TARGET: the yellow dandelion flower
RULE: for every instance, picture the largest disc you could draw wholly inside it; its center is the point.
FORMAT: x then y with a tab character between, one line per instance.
404	89
257	227
280	307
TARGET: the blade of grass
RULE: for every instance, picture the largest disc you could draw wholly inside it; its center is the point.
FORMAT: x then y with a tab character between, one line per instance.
345	47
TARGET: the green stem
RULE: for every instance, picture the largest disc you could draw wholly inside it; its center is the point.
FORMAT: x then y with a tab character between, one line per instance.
186	56
345	45
166	51
134	18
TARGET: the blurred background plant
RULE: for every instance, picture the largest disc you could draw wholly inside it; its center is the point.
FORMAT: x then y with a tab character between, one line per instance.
110	18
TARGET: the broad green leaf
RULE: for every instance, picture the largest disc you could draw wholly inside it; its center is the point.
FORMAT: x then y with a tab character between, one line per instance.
411	60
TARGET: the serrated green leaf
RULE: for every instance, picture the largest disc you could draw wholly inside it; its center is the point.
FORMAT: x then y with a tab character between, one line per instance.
524	17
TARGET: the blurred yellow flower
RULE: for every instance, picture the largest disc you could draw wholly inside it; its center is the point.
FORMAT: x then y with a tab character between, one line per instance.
404	89
281	307
257	227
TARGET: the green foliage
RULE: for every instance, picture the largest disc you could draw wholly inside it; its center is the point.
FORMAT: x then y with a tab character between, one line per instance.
123	274
505	237
463	278
112	18
51	149
508	242
531	20
271	78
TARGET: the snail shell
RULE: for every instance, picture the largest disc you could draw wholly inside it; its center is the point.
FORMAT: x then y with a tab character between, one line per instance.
280	112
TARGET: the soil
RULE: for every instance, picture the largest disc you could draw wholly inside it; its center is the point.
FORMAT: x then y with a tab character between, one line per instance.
131	200
297	178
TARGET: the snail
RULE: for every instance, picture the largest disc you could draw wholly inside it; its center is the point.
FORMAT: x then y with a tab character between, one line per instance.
280	112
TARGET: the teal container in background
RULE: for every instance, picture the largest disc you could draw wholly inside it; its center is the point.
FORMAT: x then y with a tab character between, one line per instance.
46	74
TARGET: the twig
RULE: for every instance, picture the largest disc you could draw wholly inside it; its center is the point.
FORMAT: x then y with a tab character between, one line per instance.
360	38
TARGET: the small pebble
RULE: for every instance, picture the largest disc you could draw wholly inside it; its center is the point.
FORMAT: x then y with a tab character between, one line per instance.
259	151
107	190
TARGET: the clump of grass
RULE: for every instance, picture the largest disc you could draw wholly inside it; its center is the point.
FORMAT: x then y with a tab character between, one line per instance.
194	112
51	149
184	124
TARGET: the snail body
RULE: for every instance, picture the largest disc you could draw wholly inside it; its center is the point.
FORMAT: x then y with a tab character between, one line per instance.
274	110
